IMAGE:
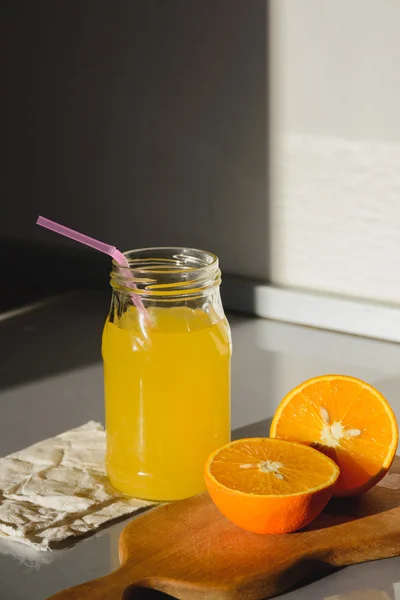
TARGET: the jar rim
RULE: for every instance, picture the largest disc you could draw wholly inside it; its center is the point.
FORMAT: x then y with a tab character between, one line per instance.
167	270
138	251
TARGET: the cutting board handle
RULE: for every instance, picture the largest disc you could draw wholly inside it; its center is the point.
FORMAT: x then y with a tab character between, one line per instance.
114	586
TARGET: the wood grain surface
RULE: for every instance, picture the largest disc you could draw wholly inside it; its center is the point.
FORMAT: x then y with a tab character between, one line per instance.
189	550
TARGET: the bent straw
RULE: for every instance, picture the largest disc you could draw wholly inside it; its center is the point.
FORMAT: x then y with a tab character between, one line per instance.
97	245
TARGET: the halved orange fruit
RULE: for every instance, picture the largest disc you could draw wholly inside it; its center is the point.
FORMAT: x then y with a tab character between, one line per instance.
270	486
348	420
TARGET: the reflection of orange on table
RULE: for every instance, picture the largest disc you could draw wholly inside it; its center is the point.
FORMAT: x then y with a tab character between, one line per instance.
368	594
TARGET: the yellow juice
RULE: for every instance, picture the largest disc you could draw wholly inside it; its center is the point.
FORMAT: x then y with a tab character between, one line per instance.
167	400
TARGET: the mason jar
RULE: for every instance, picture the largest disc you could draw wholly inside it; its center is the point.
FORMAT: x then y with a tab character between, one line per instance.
167	353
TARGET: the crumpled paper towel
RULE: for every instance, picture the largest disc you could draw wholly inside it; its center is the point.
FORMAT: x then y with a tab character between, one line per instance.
58	488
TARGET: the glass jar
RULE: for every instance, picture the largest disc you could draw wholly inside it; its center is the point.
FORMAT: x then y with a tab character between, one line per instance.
167	352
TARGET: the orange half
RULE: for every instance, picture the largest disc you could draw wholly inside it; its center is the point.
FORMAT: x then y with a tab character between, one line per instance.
270	486
348	420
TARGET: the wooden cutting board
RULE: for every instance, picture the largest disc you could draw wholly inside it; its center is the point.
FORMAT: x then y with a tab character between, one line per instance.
190	551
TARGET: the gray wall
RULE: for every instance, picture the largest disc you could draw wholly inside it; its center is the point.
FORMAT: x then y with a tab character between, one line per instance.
139	122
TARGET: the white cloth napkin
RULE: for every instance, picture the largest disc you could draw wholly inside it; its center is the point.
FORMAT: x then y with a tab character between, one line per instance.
58	488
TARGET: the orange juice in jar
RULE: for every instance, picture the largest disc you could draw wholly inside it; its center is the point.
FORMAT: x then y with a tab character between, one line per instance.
166	372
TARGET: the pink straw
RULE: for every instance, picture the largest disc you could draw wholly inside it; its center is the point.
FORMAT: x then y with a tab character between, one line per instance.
97	245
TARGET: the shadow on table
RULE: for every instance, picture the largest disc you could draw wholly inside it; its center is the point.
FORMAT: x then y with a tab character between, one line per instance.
259	429
61	335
